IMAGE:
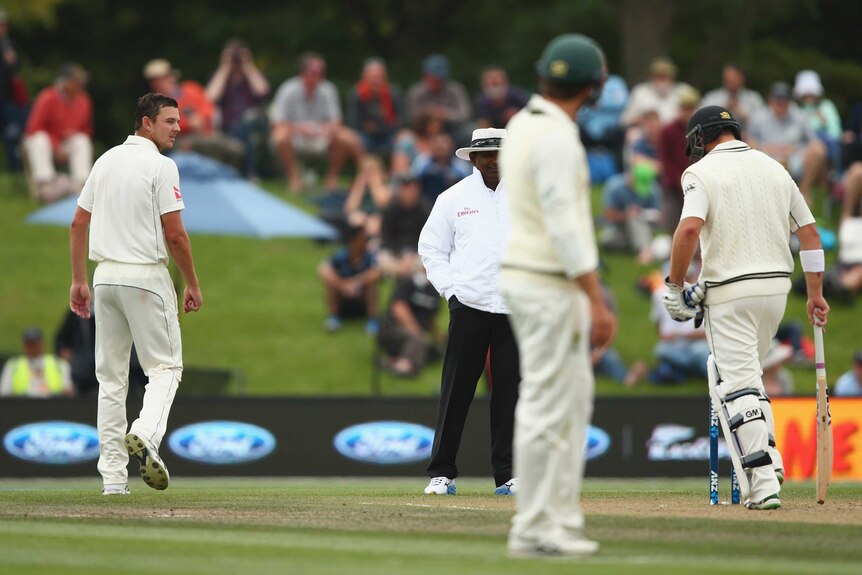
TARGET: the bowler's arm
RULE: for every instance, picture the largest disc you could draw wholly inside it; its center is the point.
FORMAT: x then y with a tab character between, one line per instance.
79	293
180	246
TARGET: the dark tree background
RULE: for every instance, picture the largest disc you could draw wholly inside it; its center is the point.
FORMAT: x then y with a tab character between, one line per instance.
772	39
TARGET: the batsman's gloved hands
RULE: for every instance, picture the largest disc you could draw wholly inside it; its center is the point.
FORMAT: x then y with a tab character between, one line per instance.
683	302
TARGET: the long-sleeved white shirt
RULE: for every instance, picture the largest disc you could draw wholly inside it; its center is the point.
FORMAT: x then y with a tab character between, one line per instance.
462	242
548	181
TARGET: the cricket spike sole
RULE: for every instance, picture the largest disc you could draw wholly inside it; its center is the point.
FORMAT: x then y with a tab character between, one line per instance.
824	420
152	468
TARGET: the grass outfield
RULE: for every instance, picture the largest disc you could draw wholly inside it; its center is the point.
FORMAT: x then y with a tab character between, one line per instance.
376	526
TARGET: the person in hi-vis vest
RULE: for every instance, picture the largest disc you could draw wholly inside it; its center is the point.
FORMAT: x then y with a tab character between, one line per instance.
36	373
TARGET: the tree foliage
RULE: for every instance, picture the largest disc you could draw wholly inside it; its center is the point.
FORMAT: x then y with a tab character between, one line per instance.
773	39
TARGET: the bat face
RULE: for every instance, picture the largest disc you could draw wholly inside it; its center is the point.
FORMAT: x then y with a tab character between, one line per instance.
824	420
824	441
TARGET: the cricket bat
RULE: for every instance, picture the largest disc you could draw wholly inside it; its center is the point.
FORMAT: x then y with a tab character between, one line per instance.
824	420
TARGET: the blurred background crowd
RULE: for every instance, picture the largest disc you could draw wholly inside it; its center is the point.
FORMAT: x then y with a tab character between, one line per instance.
373	153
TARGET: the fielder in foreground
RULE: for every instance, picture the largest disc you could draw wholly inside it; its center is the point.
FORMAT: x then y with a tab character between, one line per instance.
557	308
742	206
132	204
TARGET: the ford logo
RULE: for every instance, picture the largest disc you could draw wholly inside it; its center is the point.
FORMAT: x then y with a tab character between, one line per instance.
598	442
221	442
53	442
385	442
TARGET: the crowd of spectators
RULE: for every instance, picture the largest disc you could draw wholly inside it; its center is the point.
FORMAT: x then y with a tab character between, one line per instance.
397	150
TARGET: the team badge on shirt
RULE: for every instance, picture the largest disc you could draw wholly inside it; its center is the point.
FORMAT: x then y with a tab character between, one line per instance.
177	194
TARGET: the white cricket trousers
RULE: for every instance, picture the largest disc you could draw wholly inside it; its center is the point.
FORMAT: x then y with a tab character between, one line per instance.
40	156
134	303
551	321
739	333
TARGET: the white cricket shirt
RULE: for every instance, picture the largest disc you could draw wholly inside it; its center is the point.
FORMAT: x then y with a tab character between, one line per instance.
462	243
749	205
548	182
129	188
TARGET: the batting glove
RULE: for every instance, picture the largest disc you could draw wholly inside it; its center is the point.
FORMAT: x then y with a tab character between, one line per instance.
679	301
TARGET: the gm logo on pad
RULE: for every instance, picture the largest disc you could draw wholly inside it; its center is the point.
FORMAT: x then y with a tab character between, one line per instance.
222	442
53	442
598	442
385	442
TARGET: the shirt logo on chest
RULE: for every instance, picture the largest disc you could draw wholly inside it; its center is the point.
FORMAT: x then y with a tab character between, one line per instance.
467	212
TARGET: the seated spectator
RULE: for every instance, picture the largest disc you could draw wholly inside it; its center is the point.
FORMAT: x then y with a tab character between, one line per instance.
375	108
820	113
682	349
777	379
60	131
660	92
498	101
781	132
850	383
409	329
197	114
75	342
351	278
734	96
368	196
643	148
851	140
844	280
631	209
792	333
600	124
36	373
238	89
306	120
671	156
439	169
607	361
413	142
14	99
442	98
401	225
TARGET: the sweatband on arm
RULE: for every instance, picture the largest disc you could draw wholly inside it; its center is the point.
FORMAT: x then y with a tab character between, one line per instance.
813	261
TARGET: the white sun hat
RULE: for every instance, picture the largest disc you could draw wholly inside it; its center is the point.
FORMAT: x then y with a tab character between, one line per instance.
484	140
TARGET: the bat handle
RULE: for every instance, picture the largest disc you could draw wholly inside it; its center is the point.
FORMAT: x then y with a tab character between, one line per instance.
819	356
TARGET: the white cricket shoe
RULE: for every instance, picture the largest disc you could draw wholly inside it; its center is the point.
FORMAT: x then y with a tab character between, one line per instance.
153	470
508	488
115	490
440	486
573	546
767	503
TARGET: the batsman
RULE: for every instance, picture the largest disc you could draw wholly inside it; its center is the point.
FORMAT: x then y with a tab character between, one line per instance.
742	206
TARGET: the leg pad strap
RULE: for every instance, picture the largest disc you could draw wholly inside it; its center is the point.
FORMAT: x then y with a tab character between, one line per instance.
756	459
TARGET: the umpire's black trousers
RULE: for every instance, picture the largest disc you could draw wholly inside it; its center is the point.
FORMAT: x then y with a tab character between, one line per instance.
471	334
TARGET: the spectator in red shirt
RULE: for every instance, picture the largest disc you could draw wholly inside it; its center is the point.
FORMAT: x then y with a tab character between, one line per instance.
671	155
60	131
197	131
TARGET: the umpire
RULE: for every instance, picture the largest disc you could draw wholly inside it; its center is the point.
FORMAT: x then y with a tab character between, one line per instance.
461	246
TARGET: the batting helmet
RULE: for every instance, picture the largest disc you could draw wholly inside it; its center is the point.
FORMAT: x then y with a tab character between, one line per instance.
705	125
572	59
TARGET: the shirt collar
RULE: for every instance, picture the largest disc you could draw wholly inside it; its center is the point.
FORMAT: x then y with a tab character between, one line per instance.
141	141
539	104
735	145
477	181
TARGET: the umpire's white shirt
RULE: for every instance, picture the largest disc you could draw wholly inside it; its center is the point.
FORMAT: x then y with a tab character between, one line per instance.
129	188
462	243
